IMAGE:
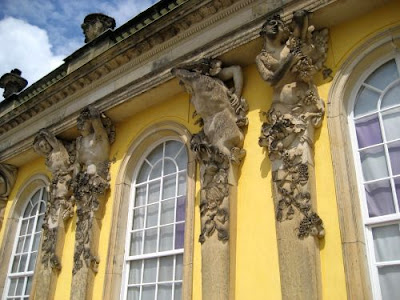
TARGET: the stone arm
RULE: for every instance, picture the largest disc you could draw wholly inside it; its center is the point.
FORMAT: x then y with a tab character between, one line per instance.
234	73
52	140
268	75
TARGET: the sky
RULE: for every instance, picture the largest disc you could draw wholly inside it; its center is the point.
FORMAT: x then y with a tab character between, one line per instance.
36	35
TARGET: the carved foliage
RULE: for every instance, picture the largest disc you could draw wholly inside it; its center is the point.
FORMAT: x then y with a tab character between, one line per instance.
222	114
291	56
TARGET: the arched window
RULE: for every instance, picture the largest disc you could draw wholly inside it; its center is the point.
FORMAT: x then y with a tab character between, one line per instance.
375	131
26	245
153	267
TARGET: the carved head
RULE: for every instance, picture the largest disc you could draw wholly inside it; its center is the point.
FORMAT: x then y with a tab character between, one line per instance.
186	78
275	28
84	123
41	145
95	24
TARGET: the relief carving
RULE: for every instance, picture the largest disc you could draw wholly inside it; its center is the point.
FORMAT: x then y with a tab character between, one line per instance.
8	175
60	203
291	56
91	179
222	113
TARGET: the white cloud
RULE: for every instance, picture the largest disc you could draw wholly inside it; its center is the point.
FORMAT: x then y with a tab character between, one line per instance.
26	47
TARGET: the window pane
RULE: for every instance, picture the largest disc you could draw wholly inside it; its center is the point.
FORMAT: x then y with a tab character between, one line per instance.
181	159
152	215
179	267
150	270
20	244
36	241
133	293
24	226
397	187
387	242
14	268
150	241
27	243
32	261
379	198
166	237
164	291
140	196
22	263
178	291
13	285
154	191
179	235
182	184
392	97
169	187
373	163
394	153
148	292
384	75
156	154
156	172
172	148
20	286
367	102
135	271
136	243
28	285
391	122
169	167
138	218
389	278
166	267
180	209
368	131
167	211
143	173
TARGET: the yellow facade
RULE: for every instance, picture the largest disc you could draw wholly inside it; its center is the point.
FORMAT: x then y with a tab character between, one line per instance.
256	263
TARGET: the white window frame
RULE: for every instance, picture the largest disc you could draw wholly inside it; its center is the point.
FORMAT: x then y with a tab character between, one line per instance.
369	223
173	253
10	275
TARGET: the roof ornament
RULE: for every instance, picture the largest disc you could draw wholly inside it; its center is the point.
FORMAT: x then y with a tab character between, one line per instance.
12	83
95	24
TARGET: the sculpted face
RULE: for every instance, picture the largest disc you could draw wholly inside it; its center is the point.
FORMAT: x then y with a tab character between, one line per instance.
85	128
273	28
44	146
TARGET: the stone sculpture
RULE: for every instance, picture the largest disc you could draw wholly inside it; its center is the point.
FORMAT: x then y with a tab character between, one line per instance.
290	58
8	175
91	179
59	205
218	148
95	24
12	83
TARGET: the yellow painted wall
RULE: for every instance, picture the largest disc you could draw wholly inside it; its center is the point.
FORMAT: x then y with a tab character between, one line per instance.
257	267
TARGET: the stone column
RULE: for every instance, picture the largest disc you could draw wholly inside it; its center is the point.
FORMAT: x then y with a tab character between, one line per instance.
218	150
290	57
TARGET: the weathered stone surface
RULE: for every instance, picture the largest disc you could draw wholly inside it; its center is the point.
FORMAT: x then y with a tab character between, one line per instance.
12	83
8	175
291	56
95	24
218	148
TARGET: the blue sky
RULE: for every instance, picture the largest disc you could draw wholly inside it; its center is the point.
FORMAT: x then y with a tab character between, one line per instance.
36	35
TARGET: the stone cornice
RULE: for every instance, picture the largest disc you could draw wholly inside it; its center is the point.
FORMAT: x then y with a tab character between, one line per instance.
141	61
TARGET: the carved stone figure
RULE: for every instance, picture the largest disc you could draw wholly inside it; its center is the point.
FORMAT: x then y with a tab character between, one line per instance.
8	175
95	24
91	179
290	58
12	83
218	147
60	204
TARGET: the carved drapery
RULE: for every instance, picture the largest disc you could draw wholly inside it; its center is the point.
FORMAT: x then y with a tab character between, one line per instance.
218	150
291	56
8	175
